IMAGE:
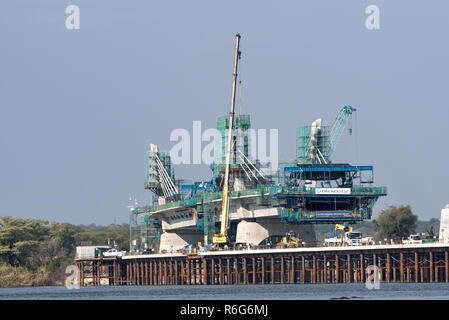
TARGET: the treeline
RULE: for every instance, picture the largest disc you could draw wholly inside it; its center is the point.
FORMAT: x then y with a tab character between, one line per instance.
394	223
36	252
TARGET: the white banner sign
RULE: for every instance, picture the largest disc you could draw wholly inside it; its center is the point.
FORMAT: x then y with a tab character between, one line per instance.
332	190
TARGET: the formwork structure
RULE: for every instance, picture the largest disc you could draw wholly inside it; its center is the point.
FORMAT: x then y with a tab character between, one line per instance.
241	142
395	263
307	148
315	144
159	171
144	232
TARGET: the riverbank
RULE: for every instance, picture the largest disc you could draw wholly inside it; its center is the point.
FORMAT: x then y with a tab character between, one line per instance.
13	277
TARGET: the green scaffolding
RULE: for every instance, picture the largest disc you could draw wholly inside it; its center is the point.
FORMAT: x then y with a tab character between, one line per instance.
242	139
144	232
305	145
209	213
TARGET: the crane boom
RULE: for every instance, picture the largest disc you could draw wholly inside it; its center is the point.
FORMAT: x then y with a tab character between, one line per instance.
222	237
338	127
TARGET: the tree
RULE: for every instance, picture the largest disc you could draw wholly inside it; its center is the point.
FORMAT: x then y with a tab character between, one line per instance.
64	235
395	223
20	239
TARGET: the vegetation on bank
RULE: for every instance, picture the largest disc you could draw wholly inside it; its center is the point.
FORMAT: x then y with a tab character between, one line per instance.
36	252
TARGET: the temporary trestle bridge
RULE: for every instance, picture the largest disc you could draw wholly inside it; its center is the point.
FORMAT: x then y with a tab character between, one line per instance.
396	263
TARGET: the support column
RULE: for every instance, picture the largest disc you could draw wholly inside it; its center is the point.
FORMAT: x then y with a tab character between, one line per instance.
237	271
220	271
272	270
292	270
303	269
182	273
349	268
401	266
337	270
436	272
228	271
204	266
254	270
446	266
188	271
146	272
431	266
324	280
362	269
282	270
263	270
245	272
151	272
176	272
212	271
313	269
165	272
388	267
416	267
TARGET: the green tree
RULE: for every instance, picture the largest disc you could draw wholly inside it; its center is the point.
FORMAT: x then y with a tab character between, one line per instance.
395	223
20	239
64	236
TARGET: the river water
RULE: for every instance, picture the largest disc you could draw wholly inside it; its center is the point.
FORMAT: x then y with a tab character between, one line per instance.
389	291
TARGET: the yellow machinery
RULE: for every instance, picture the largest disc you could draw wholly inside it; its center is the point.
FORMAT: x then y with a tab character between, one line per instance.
290	240
344	227
222	237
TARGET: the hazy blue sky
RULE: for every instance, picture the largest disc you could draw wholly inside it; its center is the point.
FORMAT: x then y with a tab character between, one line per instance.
79	108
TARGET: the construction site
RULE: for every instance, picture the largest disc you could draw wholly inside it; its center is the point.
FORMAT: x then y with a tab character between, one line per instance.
251	225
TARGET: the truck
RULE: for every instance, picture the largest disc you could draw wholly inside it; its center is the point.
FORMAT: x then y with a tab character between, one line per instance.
87	252
112	253
353	238
412	239
350	238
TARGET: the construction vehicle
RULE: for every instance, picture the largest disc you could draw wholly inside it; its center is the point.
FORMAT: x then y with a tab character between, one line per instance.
222	238
290	240
349	238
352	238
413	239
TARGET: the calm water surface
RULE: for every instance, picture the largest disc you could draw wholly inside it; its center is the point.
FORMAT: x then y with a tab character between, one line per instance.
260	292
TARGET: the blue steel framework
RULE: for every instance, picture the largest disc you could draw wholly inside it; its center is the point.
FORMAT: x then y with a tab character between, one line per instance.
337	200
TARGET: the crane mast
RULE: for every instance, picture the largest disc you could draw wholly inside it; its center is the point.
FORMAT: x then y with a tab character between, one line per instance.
222	237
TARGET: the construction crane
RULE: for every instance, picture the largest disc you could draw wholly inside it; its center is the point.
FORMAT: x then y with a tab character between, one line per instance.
222	237
320	152
338	127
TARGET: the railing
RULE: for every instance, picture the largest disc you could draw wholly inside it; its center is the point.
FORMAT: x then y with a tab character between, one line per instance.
355	190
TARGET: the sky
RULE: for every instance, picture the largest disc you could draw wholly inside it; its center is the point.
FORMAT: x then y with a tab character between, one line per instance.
79	108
